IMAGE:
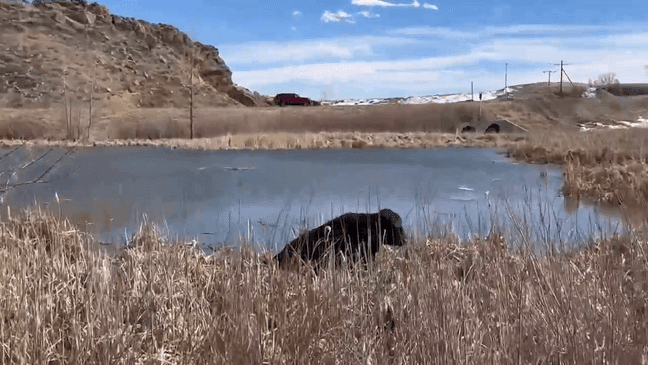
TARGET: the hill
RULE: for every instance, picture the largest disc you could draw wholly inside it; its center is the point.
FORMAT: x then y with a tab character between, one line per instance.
70	69
54	49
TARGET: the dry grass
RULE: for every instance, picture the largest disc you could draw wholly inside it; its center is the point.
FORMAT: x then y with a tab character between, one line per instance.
119	119
273	141
608	165
429	302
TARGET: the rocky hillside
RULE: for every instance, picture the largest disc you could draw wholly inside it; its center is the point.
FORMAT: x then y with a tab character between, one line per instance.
53	51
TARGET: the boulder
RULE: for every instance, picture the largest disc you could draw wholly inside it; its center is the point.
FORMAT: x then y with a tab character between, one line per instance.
97	9
58	17
246	97
82	16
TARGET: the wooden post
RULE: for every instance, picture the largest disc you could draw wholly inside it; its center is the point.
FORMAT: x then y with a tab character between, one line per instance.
94	73
548	82
561	73
472	95
506	80
191	121
68	113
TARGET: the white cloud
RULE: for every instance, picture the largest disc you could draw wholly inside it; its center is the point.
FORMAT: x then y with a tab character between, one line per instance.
434	31
294	28
537	30
385	4
330	73
368	14
349	18
305	50
430	6
589	53
296	14
336	17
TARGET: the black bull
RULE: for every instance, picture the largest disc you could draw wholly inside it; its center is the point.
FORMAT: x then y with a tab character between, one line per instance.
352	235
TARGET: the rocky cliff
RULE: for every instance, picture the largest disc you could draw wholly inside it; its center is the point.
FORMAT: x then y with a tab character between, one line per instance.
52	51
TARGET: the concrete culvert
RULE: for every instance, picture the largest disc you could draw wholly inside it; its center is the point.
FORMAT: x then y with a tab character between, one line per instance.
468	129
493	128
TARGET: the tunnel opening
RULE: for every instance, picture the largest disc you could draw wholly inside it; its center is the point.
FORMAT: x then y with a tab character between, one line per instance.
493	128
468	129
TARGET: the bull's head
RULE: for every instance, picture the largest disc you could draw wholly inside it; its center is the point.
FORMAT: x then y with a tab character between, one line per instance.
392	228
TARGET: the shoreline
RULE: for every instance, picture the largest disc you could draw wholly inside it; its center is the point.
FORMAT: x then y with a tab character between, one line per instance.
605	165
290	141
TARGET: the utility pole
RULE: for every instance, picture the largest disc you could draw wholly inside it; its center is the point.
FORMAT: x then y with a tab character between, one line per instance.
549	72
506	80
472	98
562	71
191	95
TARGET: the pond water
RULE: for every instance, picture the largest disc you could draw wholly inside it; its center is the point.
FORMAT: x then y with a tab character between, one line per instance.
266	197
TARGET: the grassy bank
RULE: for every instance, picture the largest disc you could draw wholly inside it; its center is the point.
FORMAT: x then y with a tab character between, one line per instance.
432	301
123	121
608	165
273	141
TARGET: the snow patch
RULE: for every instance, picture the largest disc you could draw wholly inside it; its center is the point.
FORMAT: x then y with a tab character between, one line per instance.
590	93
622	124
427	99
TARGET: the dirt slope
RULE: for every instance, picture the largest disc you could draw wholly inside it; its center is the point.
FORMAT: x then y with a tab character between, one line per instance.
537	106
49	44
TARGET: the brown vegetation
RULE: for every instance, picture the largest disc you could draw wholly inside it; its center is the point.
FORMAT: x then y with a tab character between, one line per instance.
433	301
273	141
538	107
121	120
608	165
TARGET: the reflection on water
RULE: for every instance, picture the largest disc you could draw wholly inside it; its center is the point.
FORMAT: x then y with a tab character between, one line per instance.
220	197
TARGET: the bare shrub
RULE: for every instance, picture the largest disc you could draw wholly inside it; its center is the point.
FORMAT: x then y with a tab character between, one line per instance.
148	130
21	130
605	79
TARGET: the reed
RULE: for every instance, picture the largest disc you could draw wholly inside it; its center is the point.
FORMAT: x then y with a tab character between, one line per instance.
607	165
433	301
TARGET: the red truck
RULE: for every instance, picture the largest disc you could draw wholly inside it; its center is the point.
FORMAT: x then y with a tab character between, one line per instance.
293	99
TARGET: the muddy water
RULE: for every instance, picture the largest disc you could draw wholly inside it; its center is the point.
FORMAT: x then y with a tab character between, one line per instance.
223	197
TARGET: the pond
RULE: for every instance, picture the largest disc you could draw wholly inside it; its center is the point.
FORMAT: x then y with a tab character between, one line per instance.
266	197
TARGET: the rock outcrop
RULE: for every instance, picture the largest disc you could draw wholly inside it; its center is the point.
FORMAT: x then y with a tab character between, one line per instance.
55	50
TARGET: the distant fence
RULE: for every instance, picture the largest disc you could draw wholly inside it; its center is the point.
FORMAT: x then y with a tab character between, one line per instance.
626	89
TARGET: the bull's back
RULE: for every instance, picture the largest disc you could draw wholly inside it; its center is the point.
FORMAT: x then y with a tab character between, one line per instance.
345	234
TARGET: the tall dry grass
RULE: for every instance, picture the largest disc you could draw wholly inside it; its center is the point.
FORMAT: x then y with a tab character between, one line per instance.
608	165
433	301
125	121
273	141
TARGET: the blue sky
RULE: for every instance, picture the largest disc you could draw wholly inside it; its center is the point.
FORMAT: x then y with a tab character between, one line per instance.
381	48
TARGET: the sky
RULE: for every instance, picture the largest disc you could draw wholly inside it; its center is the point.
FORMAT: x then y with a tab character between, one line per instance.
361	49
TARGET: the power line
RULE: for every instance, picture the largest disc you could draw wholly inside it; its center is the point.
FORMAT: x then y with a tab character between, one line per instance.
549	72
562	71
506	80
